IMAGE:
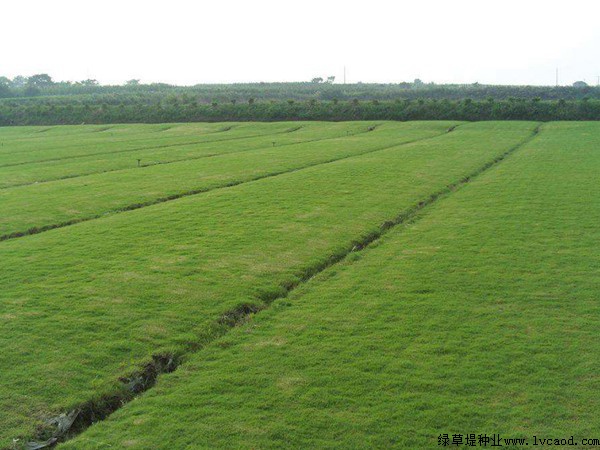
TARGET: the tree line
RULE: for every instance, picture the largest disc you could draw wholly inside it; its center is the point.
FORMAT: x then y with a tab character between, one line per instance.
156	108
42	85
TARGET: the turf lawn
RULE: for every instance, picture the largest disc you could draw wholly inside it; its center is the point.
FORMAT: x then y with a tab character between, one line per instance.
77	156
44	205
478	316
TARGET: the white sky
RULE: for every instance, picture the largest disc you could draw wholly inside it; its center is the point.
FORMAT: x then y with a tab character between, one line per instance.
188	42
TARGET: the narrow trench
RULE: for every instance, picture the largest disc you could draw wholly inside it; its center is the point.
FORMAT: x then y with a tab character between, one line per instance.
71	424
156	201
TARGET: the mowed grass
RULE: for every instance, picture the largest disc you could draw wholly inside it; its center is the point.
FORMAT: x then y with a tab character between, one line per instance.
45	205
180	143
68	143
481	316
47	135
84	305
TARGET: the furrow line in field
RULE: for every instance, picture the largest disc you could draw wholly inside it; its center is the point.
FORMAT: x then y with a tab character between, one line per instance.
162	163
144	379
182	144
189	193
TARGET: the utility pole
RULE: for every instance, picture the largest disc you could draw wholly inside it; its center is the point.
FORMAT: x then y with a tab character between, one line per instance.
598	82
344	74
557	77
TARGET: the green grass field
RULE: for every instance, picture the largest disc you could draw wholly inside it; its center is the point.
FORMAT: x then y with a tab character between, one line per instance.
402	283
47	205
103	153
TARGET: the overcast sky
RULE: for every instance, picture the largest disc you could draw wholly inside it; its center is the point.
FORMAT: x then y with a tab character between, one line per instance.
189	42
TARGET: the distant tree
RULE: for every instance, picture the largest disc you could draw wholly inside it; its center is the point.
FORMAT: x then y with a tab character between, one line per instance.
331	79
172	100
31	91
5	87
317	80
132	82
19	81
418	82
40	80
580	84
89	82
